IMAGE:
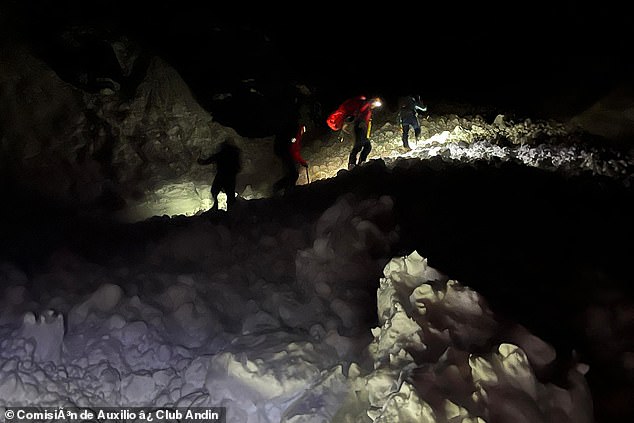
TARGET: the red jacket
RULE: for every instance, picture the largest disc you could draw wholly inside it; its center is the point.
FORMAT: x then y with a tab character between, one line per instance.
365	112
359	107
296	146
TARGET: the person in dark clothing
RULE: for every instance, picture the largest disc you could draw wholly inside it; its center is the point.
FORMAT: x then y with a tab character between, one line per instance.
359	113
285	132
408	111
290	154
228	161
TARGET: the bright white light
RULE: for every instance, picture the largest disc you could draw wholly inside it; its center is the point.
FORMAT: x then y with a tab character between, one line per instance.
222	201
442	137
175	199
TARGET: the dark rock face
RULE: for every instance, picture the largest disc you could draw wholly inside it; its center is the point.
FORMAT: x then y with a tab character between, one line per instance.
95	115
98	148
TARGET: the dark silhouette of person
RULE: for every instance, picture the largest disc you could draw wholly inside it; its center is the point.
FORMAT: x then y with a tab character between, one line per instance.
408	111
290	154
228	161
358	111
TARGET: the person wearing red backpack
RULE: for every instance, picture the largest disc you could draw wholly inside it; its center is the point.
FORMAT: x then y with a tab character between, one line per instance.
358	112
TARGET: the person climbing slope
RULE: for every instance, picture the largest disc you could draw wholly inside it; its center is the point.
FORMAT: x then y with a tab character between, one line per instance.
228	161
292	160
358	111
408	111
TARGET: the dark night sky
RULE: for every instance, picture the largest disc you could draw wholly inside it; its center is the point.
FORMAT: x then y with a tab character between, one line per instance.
514	54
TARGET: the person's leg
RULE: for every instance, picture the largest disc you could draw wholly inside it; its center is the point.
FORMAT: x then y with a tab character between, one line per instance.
215	190
405	135
359	138
290	175
294	176
229	188
365	151
287	164
417	130
279	185
352	158
290	179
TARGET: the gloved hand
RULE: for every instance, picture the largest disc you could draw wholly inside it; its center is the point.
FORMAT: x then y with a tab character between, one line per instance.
305	165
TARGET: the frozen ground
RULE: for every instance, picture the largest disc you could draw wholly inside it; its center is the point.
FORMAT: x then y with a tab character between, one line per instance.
544	144
275	336
482	277
300	309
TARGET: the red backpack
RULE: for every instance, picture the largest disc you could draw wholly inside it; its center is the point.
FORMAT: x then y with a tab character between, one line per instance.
348	108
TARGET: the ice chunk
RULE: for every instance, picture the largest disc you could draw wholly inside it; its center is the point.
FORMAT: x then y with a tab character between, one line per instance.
380	384
342	344
405	406
499	121
133	333
482	371
138	388
511	405
47	332
321	402
416	265
463	299
177	295
12	388
540	354
104	299
348	315
258	322
396	335
517	369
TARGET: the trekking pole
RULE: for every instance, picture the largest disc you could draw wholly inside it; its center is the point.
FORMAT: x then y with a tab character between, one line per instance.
307	177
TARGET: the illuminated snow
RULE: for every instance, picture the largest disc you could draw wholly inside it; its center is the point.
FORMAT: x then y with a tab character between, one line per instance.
183	344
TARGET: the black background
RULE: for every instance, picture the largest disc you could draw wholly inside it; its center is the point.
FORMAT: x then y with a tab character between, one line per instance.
539	57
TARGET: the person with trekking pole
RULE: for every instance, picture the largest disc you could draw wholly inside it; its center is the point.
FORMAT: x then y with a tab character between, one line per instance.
292	159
